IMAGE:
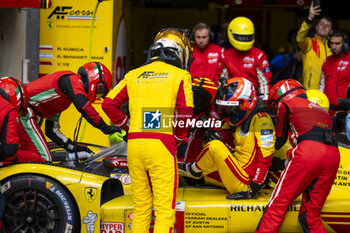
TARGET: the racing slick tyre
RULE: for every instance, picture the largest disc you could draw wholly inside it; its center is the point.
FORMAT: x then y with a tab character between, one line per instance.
38	204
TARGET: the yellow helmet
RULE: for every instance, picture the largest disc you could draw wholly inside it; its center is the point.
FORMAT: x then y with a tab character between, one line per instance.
174	45
241	33
318	97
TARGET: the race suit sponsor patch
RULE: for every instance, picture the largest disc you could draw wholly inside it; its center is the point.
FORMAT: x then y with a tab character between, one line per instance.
266	132
268	138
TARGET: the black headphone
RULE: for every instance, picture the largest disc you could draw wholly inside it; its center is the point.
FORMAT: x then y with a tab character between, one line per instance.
337	33
101	83
211	33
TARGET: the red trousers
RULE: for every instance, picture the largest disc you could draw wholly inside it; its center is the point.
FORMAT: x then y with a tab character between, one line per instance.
32	140
311	172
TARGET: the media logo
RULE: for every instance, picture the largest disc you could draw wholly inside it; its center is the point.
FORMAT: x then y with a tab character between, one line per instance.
152	119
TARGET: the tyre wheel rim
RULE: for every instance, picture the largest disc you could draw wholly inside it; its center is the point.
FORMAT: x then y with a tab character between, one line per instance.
32	211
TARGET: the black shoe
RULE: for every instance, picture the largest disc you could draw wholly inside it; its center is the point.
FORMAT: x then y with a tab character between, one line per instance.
186	170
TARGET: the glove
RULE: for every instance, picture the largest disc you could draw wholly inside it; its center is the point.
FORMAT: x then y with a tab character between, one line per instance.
83	148
255	188
277	164
181	150
344	103
109	129
118	136
240	196
69	146
212	134
339	121
246	194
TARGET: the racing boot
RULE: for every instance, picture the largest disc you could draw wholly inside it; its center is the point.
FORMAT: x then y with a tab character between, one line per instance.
185	169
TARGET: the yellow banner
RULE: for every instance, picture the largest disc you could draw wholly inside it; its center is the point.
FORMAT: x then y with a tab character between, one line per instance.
67	42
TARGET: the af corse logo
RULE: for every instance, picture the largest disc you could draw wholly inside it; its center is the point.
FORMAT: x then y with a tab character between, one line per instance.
60	12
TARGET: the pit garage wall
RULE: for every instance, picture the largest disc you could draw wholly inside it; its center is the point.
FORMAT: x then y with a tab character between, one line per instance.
272	24
65	45
12	41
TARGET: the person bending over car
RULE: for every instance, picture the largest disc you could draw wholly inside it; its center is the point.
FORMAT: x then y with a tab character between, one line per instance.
52	94
242	173
155	91
13	102
312	162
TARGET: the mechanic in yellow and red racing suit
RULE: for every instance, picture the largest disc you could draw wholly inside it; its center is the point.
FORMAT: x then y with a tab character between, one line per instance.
155	92
312	162
52	94
242	173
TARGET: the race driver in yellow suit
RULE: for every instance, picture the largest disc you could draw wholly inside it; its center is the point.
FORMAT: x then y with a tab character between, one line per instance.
242	173
155	92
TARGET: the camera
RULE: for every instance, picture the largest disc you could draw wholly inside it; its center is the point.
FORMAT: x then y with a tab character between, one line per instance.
316	3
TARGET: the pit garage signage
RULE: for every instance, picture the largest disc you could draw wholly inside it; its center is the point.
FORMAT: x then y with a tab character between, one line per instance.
67	42
65	34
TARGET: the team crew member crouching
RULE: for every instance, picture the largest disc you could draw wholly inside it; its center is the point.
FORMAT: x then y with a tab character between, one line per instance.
155	91
242	173
52	94
312	162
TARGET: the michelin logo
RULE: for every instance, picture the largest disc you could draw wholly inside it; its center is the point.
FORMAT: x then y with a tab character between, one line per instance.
151	120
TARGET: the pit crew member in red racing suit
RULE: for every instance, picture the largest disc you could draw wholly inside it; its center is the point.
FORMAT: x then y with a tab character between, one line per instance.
154	92
13	102
242	173
312	162
206	56
335	77
52	94
244	60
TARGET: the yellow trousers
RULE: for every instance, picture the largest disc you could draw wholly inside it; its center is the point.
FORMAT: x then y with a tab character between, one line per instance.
154	180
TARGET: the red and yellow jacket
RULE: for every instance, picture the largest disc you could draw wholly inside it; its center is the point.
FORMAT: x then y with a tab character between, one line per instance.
254	149
315	52
155	92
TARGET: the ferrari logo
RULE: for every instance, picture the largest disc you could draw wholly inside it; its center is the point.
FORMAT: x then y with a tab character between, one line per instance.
90	193
50	25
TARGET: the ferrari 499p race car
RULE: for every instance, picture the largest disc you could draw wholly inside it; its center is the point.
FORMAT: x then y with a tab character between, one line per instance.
94	195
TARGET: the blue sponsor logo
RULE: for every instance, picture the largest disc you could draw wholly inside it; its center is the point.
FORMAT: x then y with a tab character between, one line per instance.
266	70
64	200
151	120
266	132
